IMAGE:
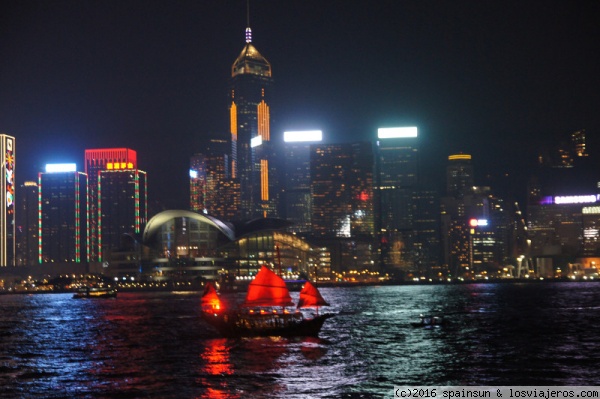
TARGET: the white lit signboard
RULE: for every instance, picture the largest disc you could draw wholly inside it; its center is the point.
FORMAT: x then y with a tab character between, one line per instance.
193	174
304	135
255	141
591	210
576	199
478	222
60	167
396	132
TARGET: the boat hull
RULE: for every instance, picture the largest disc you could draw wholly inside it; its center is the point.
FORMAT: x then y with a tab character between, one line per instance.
232	325
109	293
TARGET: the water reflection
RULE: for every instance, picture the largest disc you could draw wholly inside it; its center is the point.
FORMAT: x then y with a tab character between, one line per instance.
155	344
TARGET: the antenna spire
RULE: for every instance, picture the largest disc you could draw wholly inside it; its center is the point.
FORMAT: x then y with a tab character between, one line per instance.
248	30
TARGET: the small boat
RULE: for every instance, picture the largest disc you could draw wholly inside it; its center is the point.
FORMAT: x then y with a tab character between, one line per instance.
268	310
95	292
430	321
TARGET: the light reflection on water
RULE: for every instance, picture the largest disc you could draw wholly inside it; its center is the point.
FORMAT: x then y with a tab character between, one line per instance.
155	345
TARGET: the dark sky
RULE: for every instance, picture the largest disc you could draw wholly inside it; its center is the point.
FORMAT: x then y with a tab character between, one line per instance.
493	78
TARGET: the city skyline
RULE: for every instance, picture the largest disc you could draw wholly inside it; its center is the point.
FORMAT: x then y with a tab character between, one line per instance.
493	80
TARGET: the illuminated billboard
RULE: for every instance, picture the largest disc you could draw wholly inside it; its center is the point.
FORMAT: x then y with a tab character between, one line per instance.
396	132
576	199
119	165
7	203
478	222
302	135
60	167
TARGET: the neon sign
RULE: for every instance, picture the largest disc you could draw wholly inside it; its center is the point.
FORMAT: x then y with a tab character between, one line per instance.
591	210
576	199
119	165
9	166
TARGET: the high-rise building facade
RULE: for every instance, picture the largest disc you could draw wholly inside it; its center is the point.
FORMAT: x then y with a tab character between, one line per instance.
297	201
459	175
395	191
198	182
7	196
97	161
122	204
27	224
342	189
212	189
252	152
63	215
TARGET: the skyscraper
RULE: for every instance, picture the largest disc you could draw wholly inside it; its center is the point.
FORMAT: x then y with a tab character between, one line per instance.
7	196
342	189
27	224
63	210
96	161
212	190
342	212
252	152
297	204
396	190
459	175
122	204
197	182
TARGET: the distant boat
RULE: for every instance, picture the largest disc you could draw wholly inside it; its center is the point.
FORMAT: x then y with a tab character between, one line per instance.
430	321
95	292
268	309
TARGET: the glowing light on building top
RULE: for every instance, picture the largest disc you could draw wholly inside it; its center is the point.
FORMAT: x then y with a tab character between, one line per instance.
396	132
61	167
459	157
302	135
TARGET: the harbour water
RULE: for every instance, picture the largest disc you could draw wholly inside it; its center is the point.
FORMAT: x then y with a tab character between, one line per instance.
155	344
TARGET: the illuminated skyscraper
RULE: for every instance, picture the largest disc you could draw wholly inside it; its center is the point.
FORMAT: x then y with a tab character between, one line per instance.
459	175
96	160
63	210
122	204
197	182
396	188
252	153
297	204
27	224
342	189
396	177
7	196
212	190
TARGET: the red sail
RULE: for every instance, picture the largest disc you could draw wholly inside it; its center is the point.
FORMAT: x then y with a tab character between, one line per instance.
268	289
310	296
210	298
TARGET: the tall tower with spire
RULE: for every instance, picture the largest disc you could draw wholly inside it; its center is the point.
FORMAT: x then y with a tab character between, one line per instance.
252	154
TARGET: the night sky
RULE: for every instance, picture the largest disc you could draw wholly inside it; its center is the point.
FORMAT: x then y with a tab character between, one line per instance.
496	79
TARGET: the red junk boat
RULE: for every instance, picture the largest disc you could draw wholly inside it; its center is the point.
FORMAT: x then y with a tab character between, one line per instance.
267	311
